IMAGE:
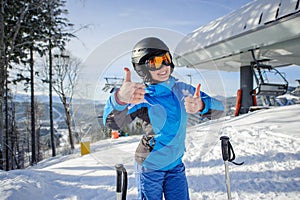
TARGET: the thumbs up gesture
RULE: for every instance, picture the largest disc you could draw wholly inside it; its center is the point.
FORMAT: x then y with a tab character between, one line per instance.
194	103
130	92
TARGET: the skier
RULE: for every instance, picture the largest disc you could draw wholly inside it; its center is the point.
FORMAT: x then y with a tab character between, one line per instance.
163	104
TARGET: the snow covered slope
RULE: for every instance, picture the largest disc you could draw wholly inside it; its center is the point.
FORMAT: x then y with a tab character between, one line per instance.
268	141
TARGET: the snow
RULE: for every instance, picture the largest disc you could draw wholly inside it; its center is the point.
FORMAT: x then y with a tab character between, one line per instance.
268	141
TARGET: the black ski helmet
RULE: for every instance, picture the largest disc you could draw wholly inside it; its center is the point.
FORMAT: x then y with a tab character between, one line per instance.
145	49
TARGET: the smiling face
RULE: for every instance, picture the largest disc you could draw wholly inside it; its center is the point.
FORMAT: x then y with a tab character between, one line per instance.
162	74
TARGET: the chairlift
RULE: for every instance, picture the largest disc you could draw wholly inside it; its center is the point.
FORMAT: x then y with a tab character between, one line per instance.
264	87
296	91
112	83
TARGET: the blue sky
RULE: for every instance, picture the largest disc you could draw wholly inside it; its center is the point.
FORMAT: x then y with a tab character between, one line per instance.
105	21
107	18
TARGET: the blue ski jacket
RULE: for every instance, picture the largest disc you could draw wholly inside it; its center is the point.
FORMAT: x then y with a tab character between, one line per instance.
164	121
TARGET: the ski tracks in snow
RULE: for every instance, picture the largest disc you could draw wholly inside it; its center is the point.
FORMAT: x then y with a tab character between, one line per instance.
271	155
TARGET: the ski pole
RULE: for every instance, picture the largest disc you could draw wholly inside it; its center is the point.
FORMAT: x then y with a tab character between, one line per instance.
225	155
121	188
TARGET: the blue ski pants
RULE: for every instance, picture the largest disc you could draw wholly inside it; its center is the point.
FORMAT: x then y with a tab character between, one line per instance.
153	184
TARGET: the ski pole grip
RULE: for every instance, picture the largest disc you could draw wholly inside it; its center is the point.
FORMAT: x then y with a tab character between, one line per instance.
119	168
121	188
225	147
124	185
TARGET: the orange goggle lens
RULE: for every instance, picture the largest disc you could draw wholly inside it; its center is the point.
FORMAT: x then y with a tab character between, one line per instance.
156	62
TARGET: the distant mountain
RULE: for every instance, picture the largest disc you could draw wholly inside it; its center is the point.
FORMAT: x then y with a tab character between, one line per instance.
41	98
45	99
85	110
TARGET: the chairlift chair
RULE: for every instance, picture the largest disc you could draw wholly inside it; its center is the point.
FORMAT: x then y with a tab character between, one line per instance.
264	87
296	91
112	83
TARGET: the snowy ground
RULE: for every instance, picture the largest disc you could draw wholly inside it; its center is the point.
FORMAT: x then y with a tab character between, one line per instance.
268	141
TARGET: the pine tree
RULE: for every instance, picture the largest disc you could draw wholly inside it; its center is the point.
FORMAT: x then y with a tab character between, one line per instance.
27	26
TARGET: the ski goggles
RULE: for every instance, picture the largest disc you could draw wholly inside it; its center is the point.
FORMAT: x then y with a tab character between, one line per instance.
156	62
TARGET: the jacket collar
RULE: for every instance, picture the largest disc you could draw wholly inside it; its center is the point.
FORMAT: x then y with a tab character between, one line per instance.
163	88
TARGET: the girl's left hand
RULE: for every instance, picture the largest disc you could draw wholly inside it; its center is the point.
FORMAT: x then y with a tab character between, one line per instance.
194	104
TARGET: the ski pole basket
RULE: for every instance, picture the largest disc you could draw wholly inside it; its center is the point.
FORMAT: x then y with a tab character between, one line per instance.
121	188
